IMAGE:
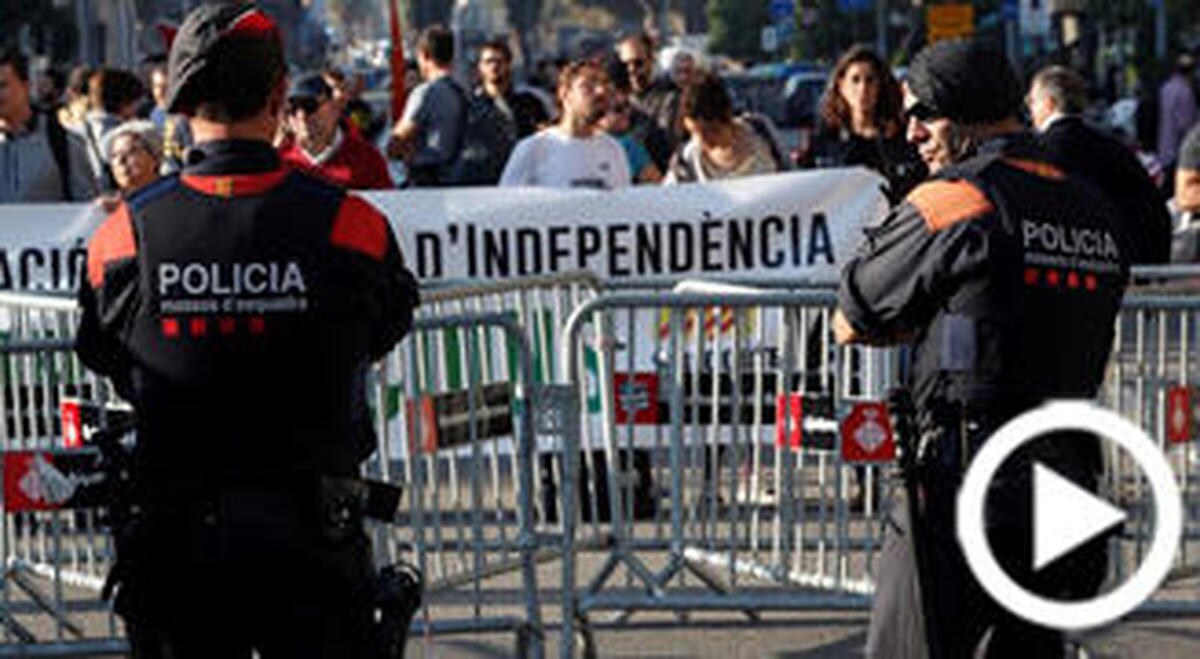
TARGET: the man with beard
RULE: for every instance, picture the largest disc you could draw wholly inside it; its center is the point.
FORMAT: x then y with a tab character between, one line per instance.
1003	314
497	116
496	84
575	152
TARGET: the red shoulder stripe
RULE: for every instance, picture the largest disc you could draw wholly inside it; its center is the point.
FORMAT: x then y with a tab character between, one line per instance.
946	203
235	185
359	226
1042	169
111	242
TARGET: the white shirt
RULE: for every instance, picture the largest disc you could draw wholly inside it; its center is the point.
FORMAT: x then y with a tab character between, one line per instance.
552	158
321	158
1056	116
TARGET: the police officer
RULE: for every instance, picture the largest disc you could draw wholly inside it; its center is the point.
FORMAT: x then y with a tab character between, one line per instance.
237	306
1006	276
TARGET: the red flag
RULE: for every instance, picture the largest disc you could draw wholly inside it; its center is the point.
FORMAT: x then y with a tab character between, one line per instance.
399	92
167	32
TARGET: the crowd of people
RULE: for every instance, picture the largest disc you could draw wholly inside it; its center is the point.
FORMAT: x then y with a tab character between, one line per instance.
610	120
999	321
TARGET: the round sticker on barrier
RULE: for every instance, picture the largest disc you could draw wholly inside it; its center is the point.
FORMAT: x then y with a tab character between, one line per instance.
867	434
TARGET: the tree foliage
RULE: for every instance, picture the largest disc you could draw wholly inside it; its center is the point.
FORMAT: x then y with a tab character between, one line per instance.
735	27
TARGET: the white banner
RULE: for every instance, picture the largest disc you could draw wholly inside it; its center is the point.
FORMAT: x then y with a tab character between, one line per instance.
800	225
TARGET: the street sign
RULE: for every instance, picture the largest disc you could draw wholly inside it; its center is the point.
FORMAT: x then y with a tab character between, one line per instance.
867	434
769	39
855	5
1179	414
1010	10
949	22
781	10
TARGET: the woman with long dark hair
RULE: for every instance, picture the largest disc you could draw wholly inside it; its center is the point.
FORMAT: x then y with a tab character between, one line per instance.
861	123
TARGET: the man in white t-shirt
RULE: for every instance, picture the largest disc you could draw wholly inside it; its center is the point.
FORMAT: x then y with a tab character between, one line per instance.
574	153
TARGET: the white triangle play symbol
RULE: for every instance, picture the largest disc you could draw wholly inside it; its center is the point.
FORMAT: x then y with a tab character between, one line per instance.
1065	515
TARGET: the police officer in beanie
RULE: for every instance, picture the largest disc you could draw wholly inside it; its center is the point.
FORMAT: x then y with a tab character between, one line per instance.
1006	276
237	306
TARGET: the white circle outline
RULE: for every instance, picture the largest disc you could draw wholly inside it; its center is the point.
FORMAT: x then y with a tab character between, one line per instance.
1168	520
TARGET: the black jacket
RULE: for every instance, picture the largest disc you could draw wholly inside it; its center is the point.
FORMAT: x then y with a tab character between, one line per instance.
1004	272
894	159
1114	170
237	307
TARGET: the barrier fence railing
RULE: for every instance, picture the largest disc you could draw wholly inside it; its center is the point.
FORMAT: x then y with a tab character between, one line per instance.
720	445
463	451
54	560
683	437
463	518
682	451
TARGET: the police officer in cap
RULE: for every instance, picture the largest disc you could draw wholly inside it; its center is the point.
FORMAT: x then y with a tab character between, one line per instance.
1006	276
237	306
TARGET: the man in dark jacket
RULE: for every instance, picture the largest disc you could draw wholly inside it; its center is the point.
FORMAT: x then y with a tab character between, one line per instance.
657	97
40	161
1006	276
1056	100
237	306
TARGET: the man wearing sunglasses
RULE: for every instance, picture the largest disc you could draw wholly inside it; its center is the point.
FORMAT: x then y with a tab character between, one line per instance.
1006	275
319	143
656	97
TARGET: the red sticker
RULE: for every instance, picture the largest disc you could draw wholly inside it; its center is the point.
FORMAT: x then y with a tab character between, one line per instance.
637	396
867	434
789	420
72	423
32	482
428	440
1179	414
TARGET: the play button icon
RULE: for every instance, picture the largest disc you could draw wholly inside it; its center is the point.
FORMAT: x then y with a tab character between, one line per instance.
1065	516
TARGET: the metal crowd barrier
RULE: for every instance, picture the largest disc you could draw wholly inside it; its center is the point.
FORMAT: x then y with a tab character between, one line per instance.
464	452
466	514
702	505
1155	352
717	430
679	451
54	561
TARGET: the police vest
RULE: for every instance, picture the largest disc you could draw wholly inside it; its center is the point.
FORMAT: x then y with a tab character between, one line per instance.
250	307
1035	319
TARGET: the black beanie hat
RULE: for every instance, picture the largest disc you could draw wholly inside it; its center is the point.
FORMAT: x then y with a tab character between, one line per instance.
966	81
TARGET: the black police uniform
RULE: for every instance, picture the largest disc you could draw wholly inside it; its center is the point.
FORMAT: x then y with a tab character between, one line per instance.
1007	275
237	306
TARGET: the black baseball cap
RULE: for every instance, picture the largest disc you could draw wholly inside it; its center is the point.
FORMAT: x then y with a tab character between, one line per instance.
309	85
966	80
222	48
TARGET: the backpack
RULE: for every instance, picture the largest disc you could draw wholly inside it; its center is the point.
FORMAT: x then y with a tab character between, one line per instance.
486	139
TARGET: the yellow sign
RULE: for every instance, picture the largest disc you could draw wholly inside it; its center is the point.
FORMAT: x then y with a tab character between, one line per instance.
949	22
